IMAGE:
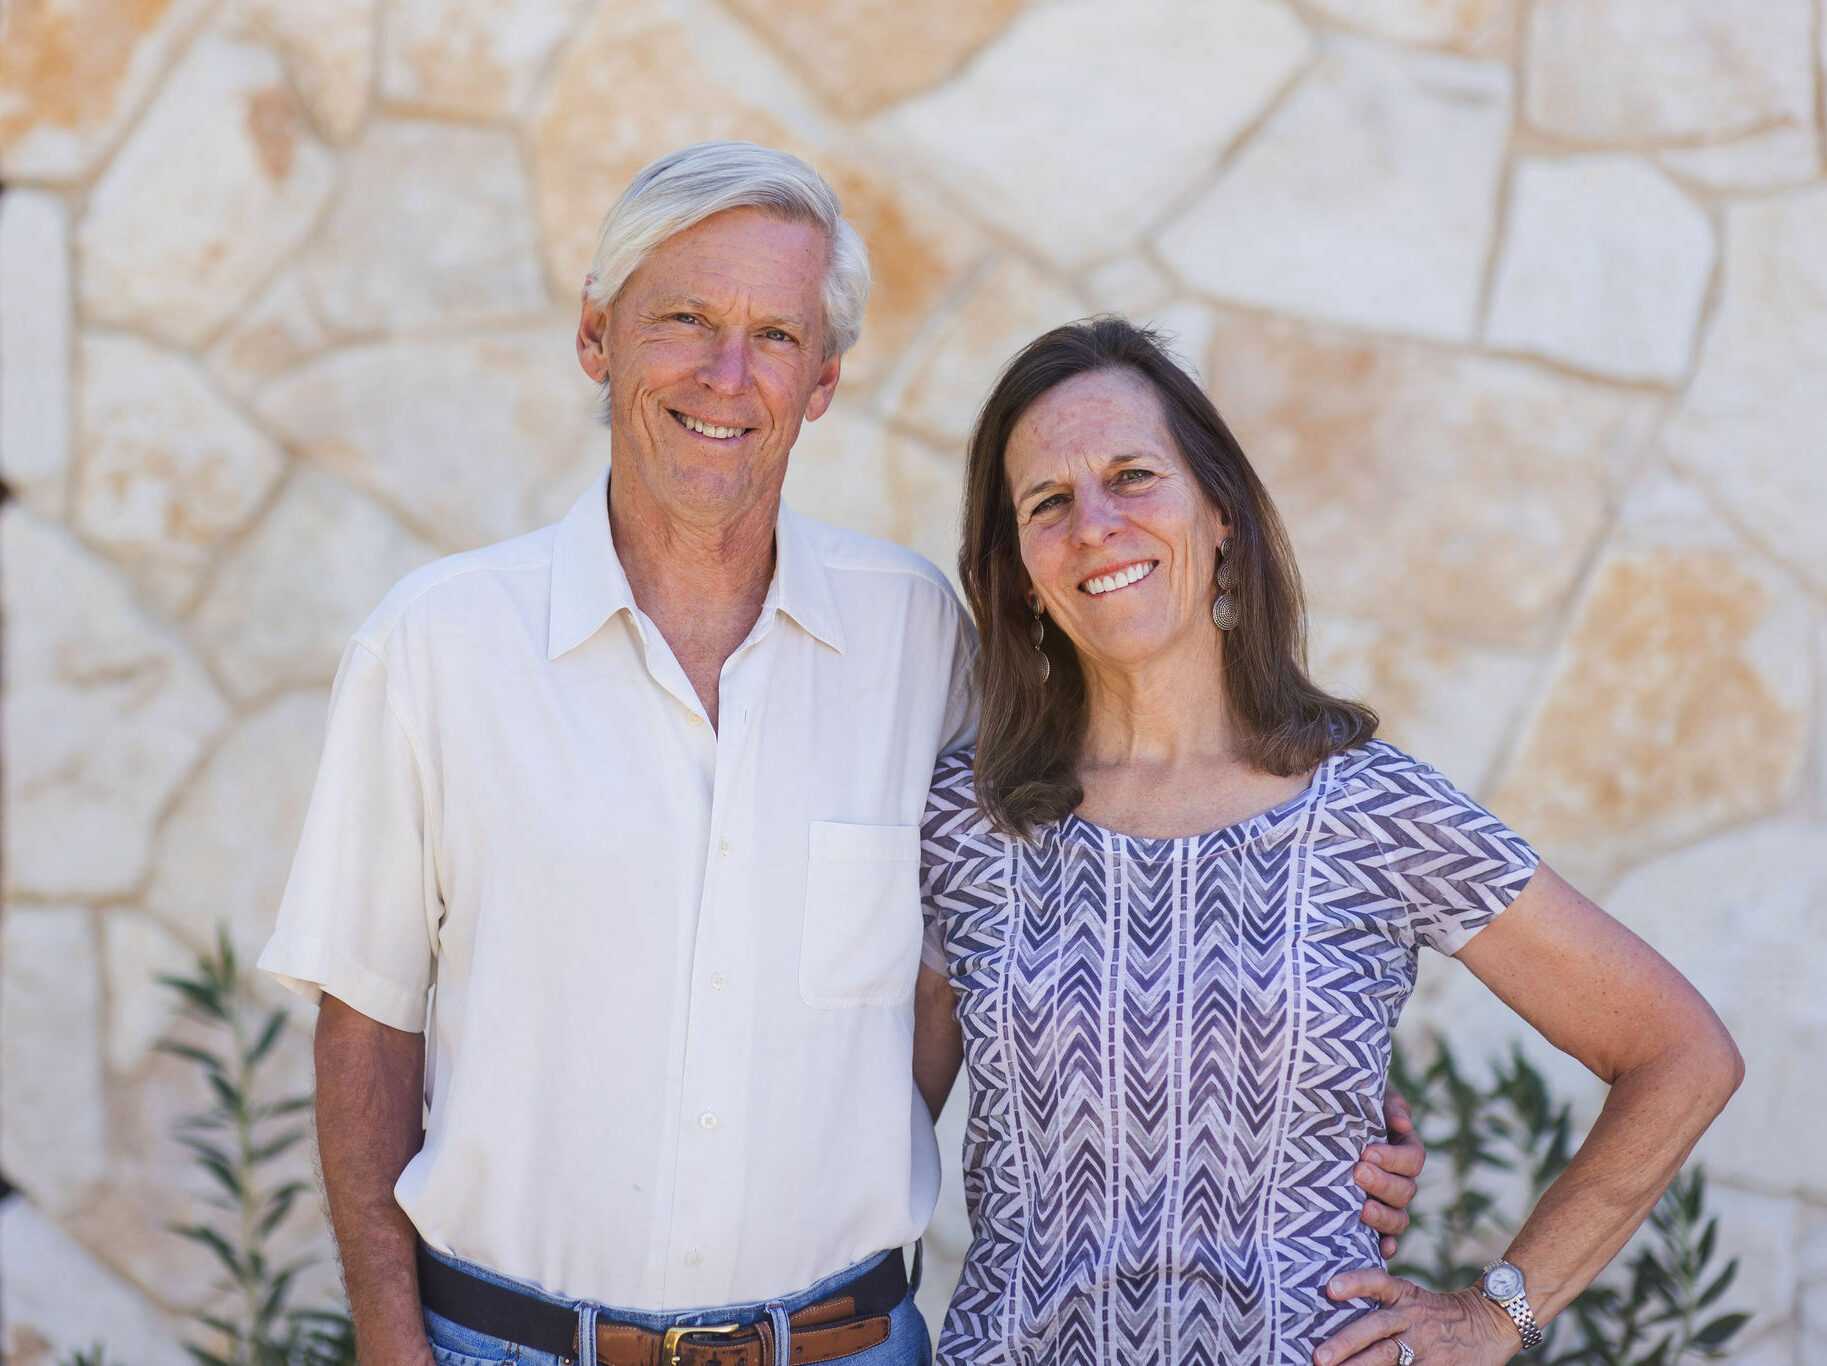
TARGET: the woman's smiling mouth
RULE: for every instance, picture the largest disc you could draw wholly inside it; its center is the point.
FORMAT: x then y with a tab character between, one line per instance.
1116	579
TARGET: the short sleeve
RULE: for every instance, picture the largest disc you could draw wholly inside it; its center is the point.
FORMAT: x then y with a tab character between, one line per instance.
952	841
361	907
1455	865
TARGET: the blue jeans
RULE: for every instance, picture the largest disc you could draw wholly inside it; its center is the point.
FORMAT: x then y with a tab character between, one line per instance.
454	1345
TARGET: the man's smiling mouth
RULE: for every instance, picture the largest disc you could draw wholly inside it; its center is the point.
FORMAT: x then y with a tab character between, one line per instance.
709	429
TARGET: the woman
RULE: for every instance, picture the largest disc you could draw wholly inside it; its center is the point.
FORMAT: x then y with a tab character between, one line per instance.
1179	890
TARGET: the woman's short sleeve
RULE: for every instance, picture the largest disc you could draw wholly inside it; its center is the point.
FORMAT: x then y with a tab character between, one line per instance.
1454	864
945	838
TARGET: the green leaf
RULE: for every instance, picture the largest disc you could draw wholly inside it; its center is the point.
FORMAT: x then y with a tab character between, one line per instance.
226	1094
275	1026
284	1107
1718	1287
266	1152
215	1242
1721	1329
200	997
202	1057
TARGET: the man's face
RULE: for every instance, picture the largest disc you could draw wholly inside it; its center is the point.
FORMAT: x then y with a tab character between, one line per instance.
714	354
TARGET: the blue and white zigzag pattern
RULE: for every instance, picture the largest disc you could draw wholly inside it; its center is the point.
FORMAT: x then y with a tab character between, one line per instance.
1176	1050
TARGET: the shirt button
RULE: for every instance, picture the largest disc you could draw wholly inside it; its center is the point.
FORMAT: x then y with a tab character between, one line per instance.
723	848
719	981
707	1120
694	1258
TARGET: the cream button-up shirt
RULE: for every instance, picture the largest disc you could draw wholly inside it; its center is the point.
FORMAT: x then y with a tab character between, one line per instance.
666	971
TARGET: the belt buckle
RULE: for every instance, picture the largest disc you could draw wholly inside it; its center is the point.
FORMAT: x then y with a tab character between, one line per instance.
670	1342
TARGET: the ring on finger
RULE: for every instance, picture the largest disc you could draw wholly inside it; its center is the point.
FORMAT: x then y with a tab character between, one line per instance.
1405	1355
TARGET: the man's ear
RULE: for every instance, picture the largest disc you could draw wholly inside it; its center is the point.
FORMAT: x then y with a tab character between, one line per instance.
827	386
593	338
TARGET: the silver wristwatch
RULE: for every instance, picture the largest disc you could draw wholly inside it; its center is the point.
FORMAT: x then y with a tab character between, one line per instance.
1502	1284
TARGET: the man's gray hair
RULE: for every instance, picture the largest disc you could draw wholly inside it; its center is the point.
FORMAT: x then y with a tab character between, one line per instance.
685	187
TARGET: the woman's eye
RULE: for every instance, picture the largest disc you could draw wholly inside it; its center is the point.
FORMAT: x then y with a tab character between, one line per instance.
1047	504
1123	477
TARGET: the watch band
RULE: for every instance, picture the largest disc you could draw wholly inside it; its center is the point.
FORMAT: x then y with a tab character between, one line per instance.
1522	1314
1517	1306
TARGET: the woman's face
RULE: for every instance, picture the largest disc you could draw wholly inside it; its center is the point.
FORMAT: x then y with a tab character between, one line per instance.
1117	537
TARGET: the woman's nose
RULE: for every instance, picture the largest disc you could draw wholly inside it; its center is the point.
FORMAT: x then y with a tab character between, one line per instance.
1094	518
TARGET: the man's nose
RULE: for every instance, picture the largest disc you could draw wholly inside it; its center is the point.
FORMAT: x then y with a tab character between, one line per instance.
726	369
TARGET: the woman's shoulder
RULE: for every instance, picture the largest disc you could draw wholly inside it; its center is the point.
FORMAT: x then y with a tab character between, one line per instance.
1379	765
954	832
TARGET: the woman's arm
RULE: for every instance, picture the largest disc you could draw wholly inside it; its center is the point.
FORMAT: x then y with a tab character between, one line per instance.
1599	993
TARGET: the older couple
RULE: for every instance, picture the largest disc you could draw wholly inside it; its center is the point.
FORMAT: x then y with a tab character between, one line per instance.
639	984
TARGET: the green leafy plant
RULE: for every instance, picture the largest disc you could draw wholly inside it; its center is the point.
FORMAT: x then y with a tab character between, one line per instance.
235	1142
1502	1141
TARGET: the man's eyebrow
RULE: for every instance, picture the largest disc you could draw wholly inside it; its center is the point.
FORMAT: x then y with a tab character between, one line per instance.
1122	458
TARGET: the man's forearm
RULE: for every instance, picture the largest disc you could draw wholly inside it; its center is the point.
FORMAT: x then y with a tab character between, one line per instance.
370	1080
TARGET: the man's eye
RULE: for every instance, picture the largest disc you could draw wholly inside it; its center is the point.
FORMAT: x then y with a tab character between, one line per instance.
775	334
685	317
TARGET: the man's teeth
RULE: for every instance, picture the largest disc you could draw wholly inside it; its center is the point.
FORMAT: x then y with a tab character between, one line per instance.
705	428
1109	583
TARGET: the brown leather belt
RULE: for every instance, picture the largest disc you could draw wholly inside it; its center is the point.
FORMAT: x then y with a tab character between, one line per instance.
850	1321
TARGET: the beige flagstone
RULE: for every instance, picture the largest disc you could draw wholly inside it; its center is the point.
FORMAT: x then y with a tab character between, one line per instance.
429	228
282	606
1750	427
218	183
169	470
1340	209
474	59
1677	705
1454	493
72	73
35	350
999	135
105	712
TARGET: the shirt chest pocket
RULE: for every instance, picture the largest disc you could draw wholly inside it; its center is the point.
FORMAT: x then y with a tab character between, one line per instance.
861	944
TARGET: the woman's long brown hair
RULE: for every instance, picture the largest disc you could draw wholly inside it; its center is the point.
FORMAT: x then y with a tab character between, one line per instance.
1031	731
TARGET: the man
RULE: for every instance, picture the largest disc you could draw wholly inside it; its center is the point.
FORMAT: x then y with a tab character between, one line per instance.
639	794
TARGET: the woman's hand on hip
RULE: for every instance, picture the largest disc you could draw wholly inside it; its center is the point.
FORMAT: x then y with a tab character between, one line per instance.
1458	1329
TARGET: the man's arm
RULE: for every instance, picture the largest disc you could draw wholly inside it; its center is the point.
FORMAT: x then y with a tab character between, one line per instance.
370	1085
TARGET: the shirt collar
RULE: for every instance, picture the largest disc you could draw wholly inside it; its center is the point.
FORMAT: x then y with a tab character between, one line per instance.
589	585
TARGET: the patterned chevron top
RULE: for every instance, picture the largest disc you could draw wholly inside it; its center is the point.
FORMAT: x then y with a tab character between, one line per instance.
1177	1049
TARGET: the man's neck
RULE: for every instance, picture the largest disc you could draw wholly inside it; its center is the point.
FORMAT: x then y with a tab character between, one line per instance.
700	581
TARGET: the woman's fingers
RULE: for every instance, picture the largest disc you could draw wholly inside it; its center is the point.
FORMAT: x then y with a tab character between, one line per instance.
1386	1188
1367	1283
1360	1336
1382	1353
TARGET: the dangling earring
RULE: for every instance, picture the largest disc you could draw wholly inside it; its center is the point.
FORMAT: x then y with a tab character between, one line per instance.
1224	607
1037	632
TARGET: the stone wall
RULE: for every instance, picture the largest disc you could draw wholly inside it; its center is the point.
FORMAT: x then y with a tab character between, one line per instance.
1520	305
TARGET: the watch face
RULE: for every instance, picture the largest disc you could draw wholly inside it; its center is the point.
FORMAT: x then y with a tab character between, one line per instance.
1503	1282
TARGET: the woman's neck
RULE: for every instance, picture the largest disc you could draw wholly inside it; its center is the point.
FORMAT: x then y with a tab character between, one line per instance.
1169	711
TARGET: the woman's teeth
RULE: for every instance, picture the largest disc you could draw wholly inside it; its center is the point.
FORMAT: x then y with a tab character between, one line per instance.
1109	583
706	429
